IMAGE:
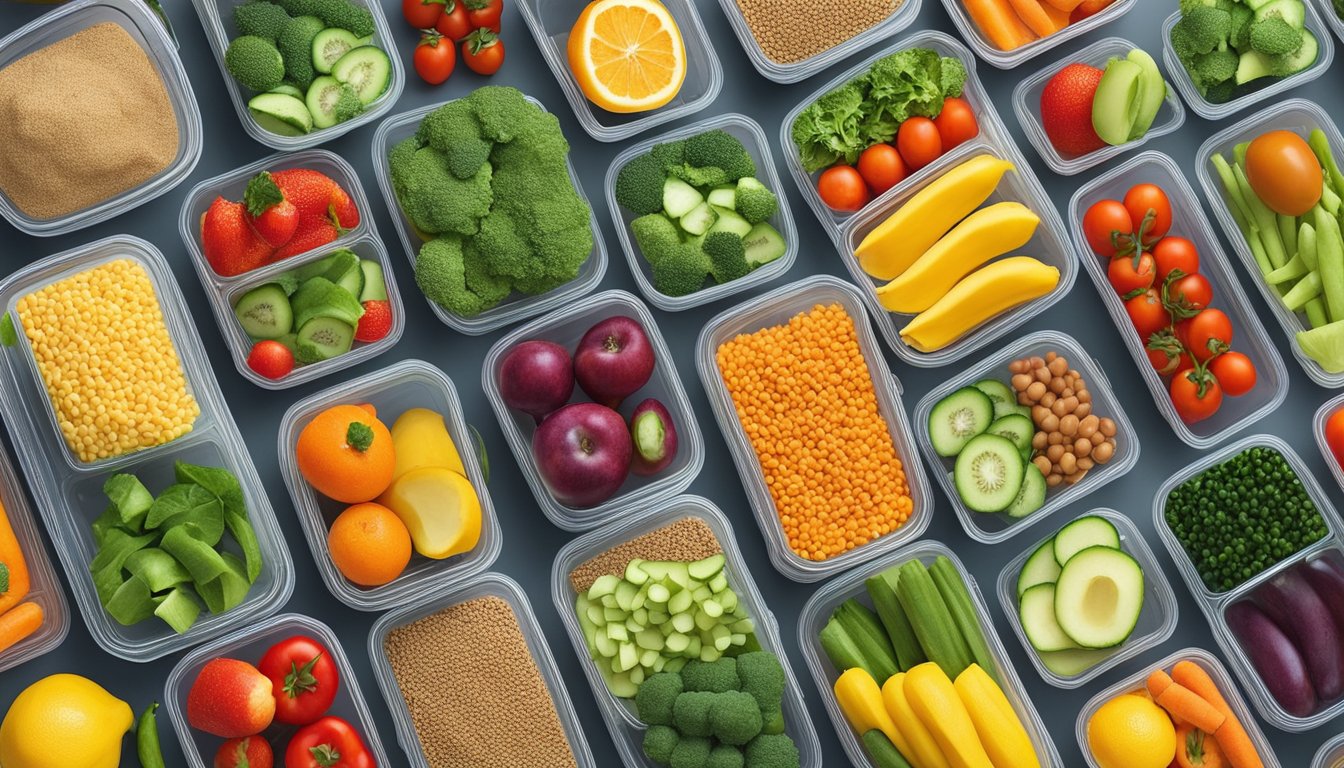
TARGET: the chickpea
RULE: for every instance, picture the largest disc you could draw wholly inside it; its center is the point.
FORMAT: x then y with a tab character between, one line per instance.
1053	480
1055	453
1038	412
1057	386
1107	427
1055	438
1070	404
1084	396
1066	392
1087	426
1068	463
1021	380
1043	464
1060	407
1022	399
1048	399
1059	366
1103	453
1050	423
1039	441
1036	390
1069	425
1082	447
1037	362
1016	367
1085	463
1075	477
1097	439
1084	407
1042	374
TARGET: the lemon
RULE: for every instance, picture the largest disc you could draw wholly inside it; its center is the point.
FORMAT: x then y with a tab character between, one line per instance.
1130	731
68	716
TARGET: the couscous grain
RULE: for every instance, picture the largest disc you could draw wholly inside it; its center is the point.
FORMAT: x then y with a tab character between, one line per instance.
789	32
685	540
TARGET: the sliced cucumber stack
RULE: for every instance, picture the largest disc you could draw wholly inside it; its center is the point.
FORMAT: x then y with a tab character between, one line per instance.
988	474
959	417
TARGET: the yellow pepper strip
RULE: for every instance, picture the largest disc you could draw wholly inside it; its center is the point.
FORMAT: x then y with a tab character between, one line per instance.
1000	729
927	753
937	705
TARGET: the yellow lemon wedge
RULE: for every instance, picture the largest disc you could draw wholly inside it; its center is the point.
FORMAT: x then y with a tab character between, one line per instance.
627	55
440	509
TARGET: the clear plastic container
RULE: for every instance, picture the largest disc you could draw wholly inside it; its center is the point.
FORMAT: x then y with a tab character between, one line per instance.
488	584
1331	754
1301	117
392	391
566	327
888	28
1027	105
1188	221
1210	664
1318	428
1336	23
627	731
43	588
818	611
995	528
1011	59
550	23
1273	89
145	28
69	493
217	19
1215	604
518	306
773	309
1157	620
753	138
249	645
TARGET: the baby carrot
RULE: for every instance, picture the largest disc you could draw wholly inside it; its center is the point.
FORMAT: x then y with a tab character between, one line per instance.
1000	23
1232	737
1058	17
18	623
1183	704
1034	16
14	582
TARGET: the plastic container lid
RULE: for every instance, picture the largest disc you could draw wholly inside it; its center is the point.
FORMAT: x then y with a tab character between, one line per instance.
753	138
1274	87
626	728
43	588
488	584
551	22
566	327
220	30
1331	753
819	608
249	645
135	17
1301	117
903	16
1188	221
69	494
518	306
1157	620
1011	59
995	528
776	308
1318	427
392	391
1027	101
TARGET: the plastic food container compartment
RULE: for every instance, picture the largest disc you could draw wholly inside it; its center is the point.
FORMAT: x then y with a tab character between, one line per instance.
1332	18
1301	117
1273	89
488	584
753	138
1318	428
627	731
901	18
144	27
566	327
994	528
518	306
1011	59
550	23
1331	754
1027	101
818	611
1157	620
69	493
1215	604
217	18
1136	682
43	588
392	391
773	309
250	645
1188	221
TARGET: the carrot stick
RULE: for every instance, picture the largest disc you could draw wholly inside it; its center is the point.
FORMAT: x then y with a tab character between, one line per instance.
1000	23
11	556
1232	737
18	623
1185	704
1066	6
1035	17
1057	17
1158	682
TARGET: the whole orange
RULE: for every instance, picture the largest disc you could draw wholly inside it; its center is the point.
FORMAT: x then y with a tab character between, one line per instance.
346	453
369	544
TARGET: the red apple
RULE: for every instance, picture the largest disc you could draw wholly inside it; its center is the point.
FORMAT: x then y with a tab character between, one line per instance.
537	377
654	437
230	698
583	453
614	359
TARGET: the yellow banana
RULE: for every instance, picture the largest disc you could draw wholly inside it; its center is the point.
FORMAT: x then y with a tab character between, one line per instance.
896	243
981	295
924	751
861	700
999	728
986	234
935	703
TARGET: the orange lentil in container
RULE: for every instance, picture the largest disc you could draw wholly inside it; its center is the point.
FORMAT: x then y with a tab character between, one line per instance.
685	540
805	398
790	31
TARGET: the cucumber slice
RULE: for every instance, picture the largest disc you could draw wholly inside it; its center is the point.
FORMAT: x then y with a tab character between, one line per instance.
264	312
352	280
1037	612
1073	662
699	219
729	221
281	113
1040	568
1002	395
366	69
1090	531
1099	597
329	46
1032	495
679	198
324	101
957	418
375	286
724	197
1015	427
988	473
287	89
764	244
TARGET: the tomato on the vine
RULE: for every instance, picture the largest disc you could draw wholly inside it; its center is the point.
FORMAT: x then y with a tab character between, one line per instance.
1149	210
1147	313
485	14
1166	352
1172	253
1235	372
842	188
434	58
1208	334
422	14
1196	395
1334	435
1188	294
483	51
453	22
1131	273
1107	226
304	679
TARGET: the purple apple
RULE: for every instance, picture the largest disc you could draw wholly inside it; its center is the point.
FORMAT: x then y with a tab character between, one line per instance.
654	436
537	378
614	359
583	453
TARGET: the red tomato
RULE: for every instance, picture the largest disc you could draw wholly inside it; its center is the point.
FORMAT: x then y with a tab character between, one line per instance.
956	123
421	14
1334	435
1208	334
1173	253
485	14
434	58
328	743
919	142
1129	274
453	22
1147	313
1105	223
882	168
1150	210
1189	294
1196	395
483	52
842	188
271	359
247	752
1166	353
304	679
1235	372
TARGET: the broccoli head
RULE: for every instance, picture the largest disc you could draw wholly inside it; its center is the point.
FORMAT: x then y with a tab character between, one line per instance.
436	201
772	751
953	77
727	259
348	104
690	713
1202	30
719	149
355	19
713	676
763	677
660	742
754	201
259	18
1242	15
656	696
440	271
503	112
296	47
1213	68
491	288
453	130
734	718
639	185
255	63
773	723
725	756
1273	36
690	752
670	154
678	268
705	176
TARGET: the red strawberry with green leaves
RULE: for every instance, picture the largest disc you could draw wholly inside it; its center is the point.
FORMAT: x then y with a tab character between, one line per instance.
231	245
375	323
1066	110
272	216
312	233
317	195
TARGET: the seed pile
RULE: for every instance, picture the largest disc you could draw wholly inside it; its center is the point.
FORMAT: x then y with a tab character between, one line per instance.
473	690
684	541
805	398
1070	440
108	361
84	119
789	32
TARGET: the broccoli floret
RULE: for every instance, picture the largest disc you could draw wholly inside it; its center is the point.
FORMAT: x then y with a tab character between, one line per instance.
296	47
254	62
454	130
754	201
727	260
1242	15
436	201
713	676
656	695
690	752
660	742
491	288
440	271
773	722
1203	29
690	713
725	756
348	104
679	277
260	19
1273	36
720	149
734	718
678	268
953	77
707	176
763	677
1215	67
639	185
355	19
503	112
1221	93
559	229
670	154
772	751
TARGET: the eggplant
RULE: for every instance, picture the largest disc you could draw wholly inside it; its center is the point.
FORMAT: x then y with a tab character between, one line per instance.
1308	624
1274	658
1326	577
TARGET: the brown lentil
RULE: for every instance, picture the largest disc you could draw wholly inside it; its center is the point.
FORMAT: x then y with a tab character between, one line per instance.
1069	440
790	31
684	540
473	690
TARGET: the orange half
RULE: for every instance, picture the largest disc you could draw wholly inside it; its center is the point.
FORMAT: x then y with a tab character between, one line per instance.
627	55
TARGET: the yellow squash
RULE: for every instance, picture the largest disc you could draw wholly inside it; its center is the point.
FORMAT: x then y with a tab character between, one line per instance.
986	234
936	704
439	508
1001	732
421	440
980	296
926	753
896	243
861	701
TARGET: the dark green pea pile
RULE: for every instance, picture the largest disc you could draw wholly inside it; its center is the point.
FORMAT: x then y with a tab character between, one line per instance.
1238	518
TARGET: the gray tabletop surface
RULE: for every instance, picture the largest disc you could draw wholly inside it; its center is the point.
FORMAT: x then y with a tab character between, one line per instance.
530	542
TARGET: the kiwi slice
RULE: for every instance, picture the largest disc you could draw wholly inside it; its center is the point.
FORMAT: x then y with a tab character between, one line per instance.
264	312
323	338
329	46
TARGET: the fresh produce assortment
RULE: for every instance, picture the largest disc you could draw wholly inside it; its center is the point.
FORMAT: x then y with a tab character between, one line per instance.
78	717
703	214
1084	108
627	56
1230	47
1010	24
19	618
792	34
475	24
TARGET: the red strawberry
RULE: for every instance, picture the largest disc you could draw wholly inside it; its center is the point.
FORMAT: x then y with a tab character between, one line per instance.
317	195
1066	110
312	233
230	698
274	217
247	752
375	323
231	246
343	210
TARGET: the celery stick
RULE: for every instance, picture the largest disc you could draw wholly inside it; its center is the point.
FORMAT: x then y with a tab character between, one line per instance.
1330	199
1294	269
1240	210
1316	314
1330	257
1320	144
1288	232
1265	219
1307	289
1306	245
1258	251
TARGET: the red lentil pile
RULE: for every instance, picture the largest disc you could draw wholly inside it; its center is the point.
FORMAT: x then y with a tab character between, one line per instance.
789	32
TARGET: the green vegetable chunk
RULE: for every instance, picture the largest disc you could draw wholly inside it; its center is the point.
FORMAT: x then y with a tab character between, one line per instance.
147	739
255	63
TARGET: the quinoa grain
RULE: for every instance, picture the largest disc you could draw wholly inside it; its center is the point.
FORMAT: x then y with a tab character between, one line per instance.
685	540
789	32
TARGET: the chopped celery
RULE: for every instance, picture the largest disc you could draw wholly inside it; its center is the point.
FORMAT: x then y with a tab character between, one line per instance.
1294	269
1330	259
1305	290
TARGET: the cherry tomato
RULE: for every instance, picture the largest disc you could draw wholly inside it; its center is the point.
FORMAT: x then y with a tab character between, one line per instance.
434	58
1166	352
247	752
1104	223
1126	277
483	51
956	123
1147	313
421	14
1182	331
453	22
882	168
485	14
1334	435
271	359
842	188
1235	372
919	142
1172	253
1209	334
1196	395
1284	173
1149	207
328	743
1190	293
304	679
